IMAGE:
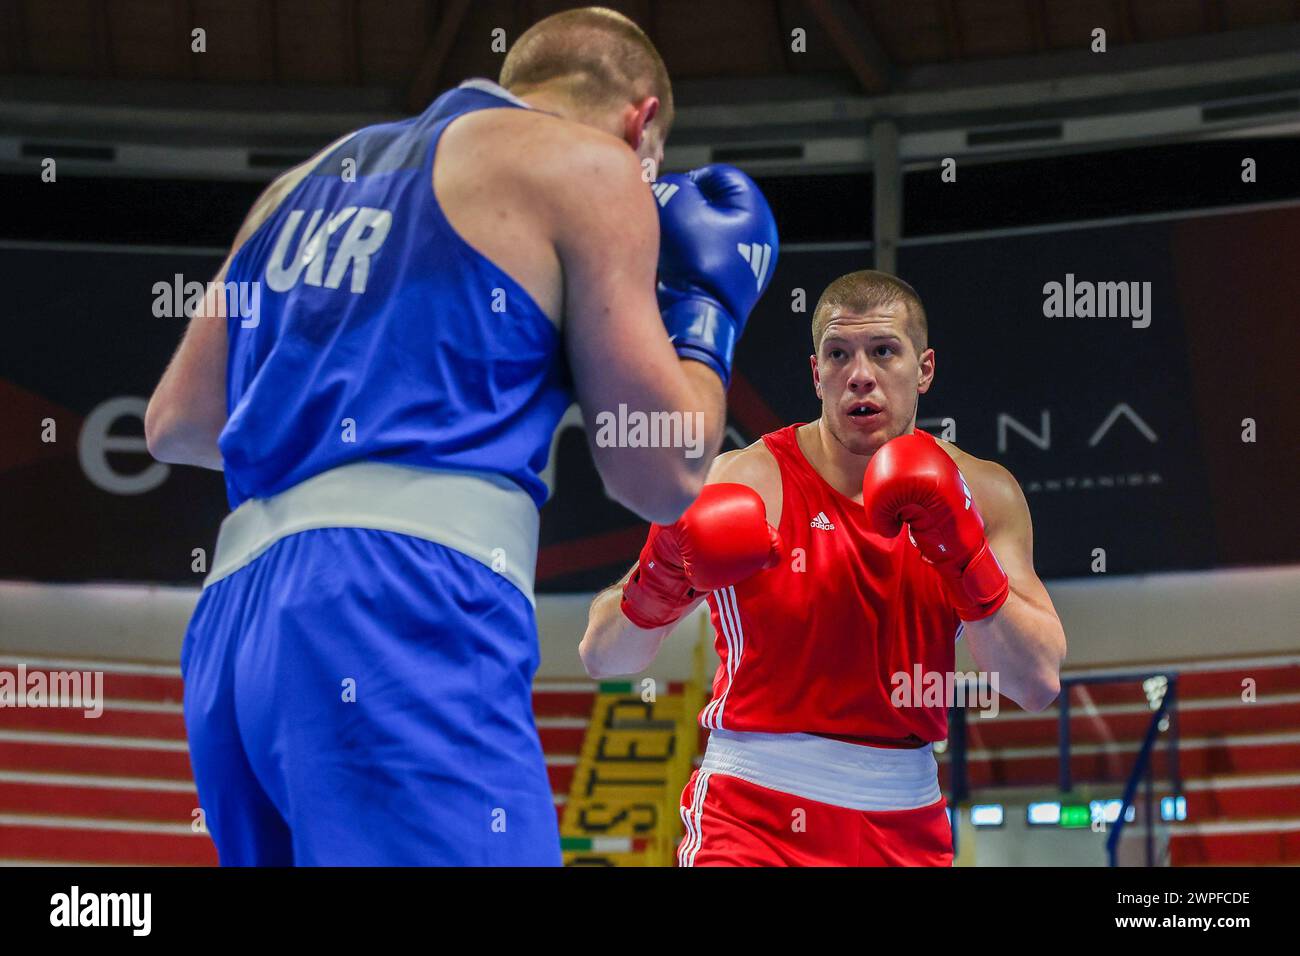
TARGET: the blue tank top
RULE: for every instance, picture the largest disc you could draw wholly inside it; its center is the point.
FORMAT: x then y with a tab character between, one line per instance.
380	334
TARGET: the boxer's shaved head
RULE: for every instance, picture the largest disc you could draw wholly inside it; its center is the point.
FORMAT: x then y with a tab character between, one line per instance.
597	56
865	290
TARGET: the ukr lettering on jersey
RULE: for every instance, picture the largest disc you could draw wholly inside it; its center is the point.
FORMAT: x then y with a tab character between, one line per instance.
367	228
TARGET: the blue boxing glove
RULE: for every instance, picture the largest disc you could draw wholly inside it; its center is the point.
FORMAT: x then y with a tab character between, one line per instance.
717	253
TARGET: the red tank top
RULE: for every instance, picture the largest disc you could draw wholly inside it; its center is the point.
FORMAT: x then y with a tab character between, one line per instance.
813	644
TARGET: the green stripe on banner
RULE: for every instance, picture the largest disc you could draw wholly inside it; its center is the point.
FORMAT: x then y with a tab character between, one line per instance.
616	687
602	844
617	844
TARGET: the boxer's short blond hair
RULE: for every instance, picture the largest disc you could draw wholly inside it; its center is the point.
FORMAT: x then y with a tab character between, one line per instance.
865	290
600	57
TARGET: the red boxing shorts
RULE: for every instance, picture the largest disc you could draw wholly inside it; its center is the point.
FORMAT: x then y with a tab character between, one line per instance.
861	806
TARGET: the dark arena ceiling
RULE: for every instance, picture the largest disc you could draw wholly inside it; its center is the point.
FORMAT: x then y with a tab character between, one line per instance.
288	75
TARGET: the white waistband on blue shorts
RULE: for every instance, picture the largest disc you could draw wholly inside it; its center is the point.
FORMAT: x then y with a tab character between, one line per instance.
486	517
843	774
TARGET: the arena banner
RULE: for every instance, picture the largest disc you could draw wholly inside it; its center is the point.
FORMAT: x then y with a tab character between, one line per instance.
88	331
1137	378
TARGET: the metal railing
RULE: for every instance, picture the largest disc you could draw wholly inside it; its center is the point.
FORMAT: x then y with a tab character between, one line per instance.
1142	770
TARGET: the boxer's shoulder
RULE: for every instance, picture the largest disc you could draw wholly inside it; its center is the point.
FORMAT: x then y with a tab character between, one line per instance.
511	183
996	491
278	190
578	187
538	148
755	467
753	463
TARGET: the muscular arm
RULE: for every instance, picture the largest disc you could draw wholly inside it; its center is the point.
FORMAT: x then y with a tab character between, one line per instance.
1024	642
187	410
607	238
613	645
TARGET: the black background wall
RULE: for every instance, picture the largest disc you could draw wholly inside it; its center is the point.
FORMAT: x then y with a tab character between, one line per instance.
1221	347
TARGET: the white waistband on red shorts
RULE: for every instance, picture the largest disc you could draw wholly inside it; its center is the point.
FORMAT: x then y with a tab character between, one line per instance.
855	776
487	517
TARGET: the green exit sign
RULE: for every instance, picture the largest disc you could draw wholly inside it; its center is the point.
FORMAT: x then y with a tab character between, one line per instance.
1074	817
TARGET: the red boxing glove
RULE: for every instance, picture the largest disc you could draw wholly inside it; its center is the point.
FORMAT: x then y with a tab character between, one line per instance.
911	479
722	539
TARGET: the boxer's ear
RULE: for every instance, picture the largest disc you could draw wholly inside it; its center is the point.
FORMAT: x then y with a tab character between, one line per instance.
636	117
650	106
926	364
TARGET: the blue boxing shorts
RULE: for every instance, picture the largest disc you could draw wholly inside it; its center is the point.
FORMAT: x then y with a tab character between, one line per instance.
360	696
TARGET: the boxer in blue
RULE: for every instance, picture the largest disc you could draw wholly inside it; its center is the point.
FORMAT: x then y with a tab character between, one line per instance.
431	295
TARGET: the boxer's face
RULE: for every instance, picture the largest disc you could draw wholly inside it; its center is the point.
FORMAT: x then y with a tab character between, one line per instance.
869	376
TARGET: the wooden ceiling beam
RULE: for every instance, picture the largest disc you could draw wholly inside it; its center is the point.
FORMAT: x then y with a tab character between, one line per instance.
268	29
15	22
1212	16
952	29
191	58
425	81
781	46
1036	14
101	39
856	44
352	40
1128	32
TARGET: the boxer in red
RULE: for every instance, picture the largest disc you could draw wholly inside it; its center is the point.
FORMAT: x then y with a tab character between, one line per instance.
836	556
